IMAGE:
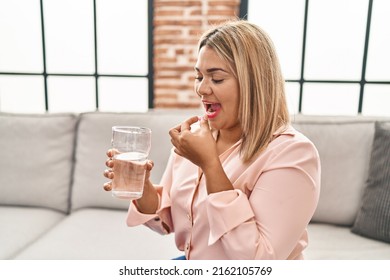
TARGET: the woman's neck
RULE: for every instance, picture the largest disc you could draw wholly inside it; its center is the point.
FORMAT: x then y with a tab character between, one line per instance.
227	138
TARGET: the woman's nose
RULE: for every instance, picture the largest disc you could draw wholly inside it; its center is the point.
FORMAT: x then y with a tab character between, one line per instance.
203	88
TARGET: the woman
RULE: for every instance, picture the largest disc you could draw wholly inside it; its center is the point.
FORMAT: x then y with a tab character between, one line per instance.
241	182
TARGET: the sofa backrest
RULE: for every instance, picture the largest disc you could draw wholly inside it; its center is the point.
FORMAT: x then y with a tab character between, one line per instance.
344	145
45	145
94	139
36	159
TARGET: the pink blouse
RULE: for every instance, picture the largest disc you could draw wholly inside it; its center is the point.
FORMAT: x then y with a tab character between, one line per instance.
264	217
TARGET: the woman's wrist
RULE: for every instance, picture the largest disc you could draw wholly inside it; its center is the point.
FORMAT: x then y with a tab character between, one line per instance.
216	178
149	202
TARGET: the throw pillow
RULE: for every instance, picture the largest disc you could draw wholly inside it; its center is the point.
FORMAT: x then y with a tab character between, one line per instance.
36	159
373	219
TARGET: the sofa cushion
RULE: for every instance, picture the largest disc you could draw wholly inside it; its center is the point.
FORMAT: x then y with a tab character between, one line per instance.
373	219
21	226
330	242
344	146
37	159
94	234
94	139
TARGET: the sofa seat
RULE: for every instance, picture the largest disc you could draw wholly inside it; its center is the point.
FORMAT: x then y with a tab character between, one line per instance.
334	242
21	226
93	234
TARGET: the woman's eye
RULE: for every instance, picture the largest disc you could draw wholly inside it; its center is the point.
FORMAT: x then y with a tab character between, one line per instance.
217	81
198	78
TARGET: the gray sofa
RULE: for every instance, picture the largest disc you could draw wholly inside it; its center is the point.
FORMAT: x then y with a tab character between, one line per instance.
52	204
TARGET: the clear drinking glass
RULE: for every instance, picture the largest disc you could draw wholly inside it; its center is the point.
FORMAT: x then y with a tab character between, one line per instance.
131	147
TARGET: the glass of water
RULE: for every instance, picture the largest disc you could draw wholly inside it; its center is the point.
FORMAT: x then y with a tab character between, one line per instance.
131	145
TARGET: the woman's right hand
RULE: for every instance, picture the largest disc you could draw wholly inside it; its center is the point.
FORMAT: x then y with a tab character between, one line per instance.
148	203
109	172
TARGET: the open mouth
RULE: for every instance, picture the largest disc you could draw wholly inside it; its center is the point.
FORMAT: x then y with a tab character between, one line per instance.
212	109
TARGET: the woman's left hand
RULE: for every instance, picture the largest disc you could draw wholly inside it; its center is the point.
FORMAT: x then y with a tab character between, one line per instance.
198	146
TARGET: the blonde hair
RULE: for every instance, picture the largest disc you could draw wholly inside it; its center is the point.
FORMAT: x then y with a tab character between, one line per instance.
253	60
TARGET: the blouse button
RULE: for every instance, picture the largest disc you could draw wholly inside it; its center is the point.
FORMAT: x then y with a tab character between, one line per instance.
189	217
157	219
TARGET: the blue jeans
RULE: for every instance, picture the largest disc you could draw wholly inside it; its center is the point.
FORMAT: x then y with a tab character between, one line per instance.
180	258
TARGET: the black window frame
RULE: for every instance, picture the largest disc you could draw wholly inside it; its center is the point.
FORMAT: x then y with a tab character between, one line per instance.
96	74
362	82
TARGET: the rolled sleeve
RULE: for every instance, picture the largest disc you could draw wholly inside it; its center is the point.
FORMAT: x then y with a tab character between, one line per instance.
225	211
152	221
135	218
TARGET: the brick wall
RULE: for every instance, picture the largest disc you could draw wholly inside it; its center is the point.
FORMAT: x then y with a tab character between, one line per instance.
177	27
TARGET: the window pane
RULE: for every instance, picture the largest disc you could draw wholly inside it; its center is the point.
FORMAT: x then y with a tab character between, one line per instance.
123	94
335	39
22	94
292	96
330	99
378	60
71	94
122	28
21	36
285	27
69	36
376	100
